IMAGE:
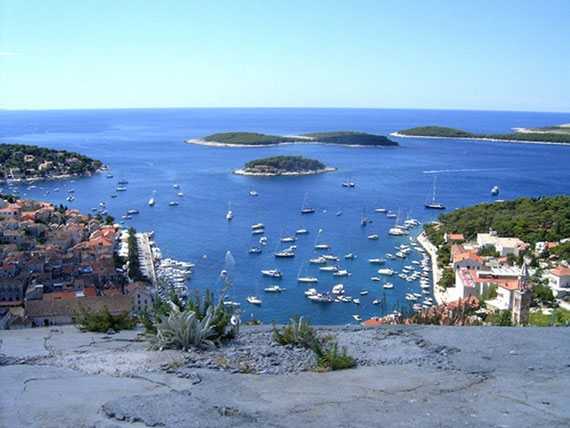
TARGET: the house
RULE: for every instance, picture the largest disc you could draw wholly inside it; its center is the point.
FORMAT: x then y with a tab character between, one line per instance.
559	281
11	211
142	296
468	260
64	308
12	289
505	246
453	237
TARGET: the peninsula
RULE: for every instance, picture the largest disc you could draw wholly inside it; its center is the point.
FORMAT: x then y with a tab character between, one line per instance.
545	135
20	162
283	165
253	139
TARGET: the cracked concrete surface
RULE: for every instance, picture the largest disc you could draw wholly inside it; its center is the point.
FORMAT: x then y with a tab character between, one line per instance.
414	375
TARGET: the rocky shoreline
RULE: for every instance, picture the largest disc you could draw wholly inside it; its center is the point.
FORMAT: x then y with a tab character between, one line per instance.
397	134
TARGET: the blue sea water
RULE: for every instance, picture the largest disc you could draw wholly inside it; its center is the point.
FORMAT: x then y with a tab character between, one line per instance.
147	148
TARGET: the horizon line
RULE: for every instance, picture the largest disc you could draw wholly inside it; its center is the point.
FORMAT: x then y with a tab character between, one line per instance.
277	107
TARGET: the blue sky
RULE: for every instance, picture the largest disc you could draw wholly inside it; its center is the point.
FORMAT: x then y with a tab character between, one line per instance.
491	55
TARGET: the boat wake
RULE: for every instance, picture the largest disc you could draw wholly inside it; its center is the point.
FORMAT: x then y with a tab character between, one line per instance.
443	171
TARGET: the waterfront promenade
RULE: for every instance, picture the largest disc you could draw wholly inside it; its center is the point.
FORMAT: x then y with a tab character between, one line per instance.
439	293
145	256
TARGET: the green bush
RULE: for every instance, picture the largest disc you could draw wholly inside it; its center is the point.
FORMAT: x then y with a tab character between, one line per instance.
104	320
330	358
447	278
297	333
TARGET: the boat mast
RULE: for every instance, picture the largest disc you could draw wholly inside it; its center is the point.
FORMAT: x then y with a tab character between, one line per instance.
434	187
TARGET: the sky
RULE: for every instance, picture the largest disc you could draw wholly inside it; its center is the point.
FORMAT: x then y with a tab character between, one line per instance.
436	54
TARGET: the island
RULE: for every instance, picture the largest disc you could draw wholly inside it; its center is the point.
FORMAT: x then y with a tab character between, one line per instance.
559	134
283	165
20	162
254	139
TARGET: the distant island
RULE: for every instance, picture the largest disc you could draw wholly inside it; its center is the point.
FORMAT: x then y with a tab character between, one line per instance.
283	165
559	134
19	162
254	139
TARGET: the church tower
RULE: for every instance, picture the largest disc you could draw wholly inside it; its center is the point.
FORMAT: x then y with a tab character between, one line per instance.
521	298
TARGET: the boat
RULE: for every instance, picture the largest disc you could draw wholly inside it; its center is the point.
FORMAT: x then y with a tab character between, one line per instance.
338	289
338	213
331	258
285	254
322	247
391	215
386	271
113	195
363	220
121	189
181	194
381	210
273	273
376	261
356	301
350	256
257	231
70	191
311	292
258	226
321	298
342	272
122	181
364	292
388	286
328	268
301	231
109	175
253	300
176	186
263	240
255	250
432	204
289	239
373	237
126	217
357	318
151	202
173	203
495	190
390	256
307	279
253	192
132	211
375	278
273	289
304	209
318	261
229	214
396	231
70	198
347	182
376	301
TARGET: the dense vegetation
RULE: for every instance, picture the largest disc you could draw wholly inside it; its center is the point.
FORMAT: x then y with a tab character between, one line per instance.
529	219
441	131
337	137
277	164
103	321
134	270
33	161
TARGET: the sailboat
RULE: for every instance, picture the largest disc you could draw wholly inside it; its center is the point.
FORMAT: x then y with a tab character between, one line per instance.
364	220
305	279
151	200
320	246
229	215
433	204
347	182
305	210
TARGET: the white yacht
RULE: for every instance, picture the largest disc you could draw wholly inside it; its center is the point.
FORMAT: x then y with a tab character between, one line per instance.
338	289
258	226
253	192
357	318
318	261
376	278
132	211
328	268
273	289
273	273
255	250
381	210
253	300
301	231
342	272
388	286
307	279
364	292
373	237
173	203
396	231
151	202
331	257
495	190
376	261
176	186
350	256
387	271
311	292
289	239
229	214
121	189
356	301
322	247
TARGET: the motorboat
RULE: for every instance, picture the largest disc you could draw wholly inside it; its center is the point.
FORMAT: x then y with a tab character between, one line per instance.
381	210
322	247
328	268
342	272
311	292
273	289
356	301
255	250
307	279
263	240
132	211
176	186
375	278
331	257
253	193
126	217
388	272
376	261
390	256
321	298
396	231
357	318
391	215
109	175
173	203
70	198
289	239
151	202
113	195
121	189
388	286
258	226
273	273
123	181
350	256
364	292
285	254
338	289
318	261
301	231
373	237
338	213
376	301
258	231
495	190
253	300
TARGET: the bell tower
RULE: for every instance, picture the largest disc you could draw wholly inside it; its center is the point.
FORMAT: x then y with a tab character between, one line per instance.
521	298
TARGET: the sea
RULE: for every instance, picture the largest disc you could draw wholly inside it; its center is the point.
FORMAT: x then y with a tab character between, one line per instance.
147	148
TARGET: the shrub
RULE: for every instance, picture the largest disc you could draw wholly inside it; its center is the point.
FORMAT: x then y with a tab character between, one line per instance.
330	358
297	333
104	320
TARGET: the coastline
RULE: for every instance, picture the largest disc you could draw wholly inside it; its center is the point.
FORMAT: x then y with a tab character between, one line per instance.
547	143
52	177
285	173
202	142
439	293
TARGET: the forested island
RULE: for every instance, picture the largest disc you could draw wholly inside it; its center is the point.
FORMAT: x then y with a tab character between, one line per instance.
283	165
529	219
249	139
22	162
545	135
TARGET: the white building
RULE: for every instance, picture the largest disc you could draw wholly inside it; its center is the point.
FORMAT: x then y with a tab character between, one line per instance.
504	246
559	281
